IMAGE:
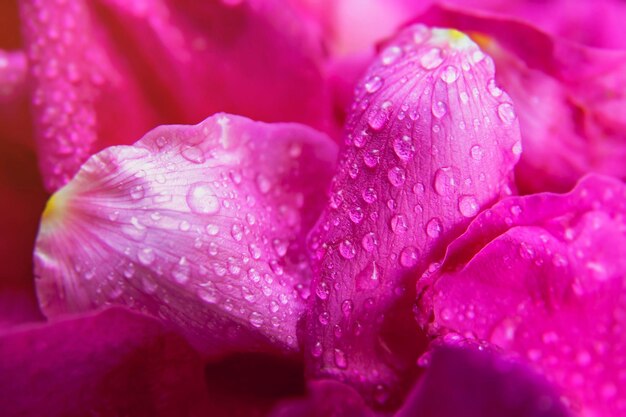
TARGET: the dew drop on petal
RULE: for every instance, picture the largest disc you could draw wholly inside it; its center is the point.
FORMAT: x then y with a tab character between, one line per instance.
340	359
369	242
146	256
433	228
409	256
450	74
439	109
477	152
201	199
468	206
506	113
347	249
369	277
431	59
403	147
390	55
396	176
369	195
373	84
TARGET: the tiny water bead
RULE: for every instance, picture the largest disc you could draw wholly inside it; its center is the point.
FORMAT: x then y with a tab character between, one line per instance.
369	277
369	195
404	148
431	59
468	206
369	242
193	154
379	116
347	249
390	55
450	74
409	256
373	84
201	199
396	176
447	180
439	109
506	113
433	227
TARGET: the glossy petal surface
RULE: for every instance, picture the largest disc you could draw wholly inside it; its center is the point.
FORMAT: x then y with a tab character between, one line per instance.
567	95
201	225
427	146
115	362
470	383
543	276
105	72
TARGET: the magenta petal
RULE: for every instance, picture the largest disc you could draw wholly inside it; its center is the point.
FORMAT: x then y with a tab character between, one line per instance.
567	95
544	276
105	72
201	225
325	398
471	383
112	363
428	146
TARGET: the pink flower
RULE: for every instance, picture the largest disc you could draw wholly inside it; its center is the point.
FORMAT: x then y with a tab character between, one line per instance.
244	257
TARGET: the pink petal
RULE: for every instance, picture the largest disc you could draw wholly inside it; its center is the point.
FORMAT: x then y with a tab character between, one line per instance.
427	147
543	276
201	225
568	98
109	364
105	72
471	383
325	398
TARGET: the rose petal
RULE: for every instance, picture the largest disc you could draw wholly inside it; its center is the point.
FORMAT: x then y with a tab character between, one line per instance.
543	276
471	383
326	398
427	148
200	225
112	363
105	72
567	96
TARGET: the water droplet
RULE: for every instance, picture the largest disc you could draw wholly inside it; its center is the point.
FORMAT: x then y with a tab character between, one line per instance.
256	319
254	250
347	306
517	148
369	277
360	139
493	88
403	147
477	152
468	206
347	249
464	97
193	154
137	192
356	215
506	113
373	84
212	229
201	199
450	74
280	247
371	158
447	179
322	291
208	294
340	359
316	350
433	227
379	117
409	257
396	176
439	109
399	224
146	256
353	171
236	232
390	55
180	272
263	184
431	59
369	195
323	318
369	242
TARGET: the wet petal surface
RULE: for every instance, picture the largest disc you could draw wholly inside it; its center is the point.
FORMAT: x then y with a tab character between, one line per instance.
543	276
201	225
427	147
567	96
105	72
